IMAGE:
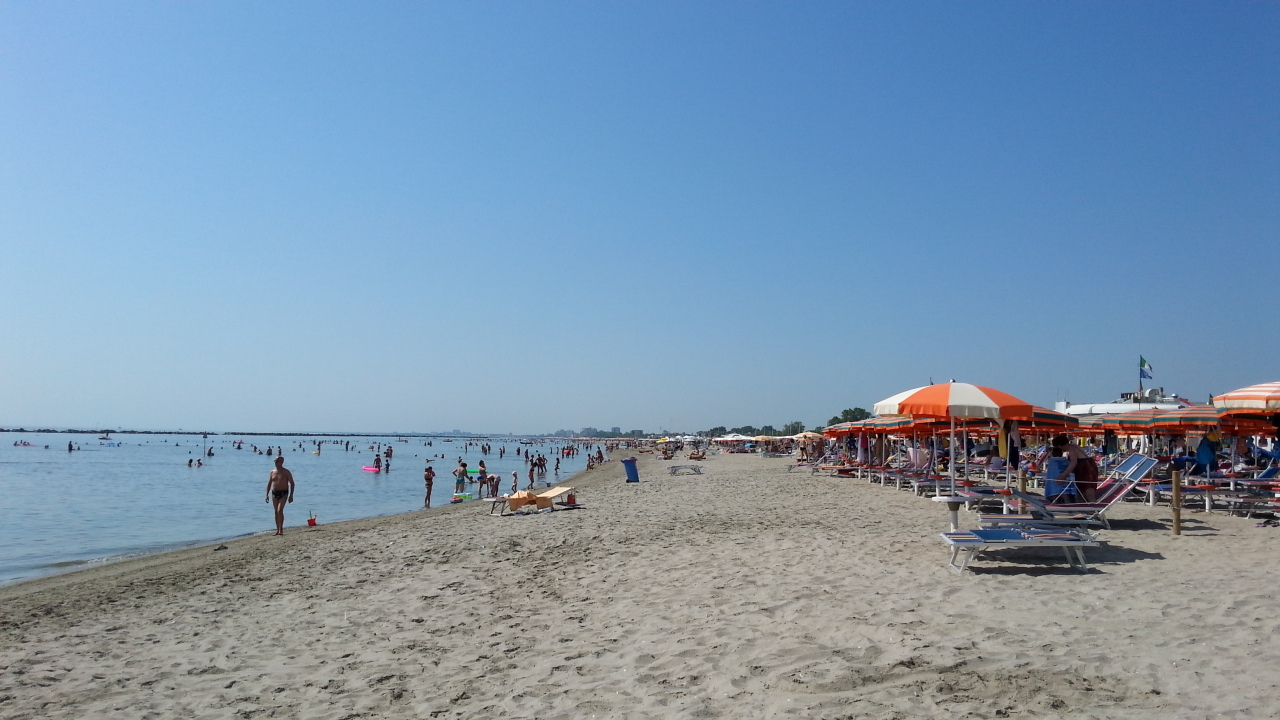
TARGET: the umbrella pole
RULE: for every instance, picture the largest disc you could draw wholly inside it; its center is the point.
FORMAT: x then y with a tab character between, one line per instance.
951	464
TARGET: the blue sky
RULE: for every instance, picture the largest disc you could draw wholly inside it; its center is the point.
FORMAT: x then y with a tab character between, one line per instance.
518	217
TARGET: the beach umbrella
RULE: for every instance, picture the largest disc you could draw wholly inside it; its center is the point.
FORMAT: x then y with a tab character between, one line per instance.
1090	426
1262	397
1134	422
838	429
1197	416
955	401
1044	417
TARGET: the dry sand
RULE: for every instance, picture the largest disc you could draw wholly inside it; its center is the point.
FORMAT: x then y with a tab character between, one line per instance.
744	592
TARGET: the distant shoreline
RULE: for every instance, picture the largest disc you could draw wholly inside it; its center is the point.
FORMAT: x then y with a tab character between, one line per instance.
278	434
123	562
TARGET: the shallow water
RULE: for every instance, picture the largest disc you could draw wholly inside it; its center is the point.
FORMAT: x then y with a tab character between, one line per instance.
60	510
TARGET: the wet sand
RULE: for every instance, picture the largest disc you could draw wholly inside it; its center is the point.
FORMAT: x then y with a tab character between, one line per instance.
744	592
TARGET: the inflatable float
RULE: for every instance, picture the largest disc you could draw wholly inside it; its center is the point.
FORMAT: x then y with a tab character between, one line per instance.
370	468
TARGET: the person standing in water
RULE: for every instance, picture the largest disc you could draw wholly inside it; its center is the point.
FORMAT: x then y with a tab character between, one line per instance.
429	476
460	472
279	491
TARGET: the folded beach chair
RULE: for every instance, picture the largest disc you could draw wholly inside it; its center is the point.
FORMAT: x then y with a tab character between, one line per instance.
970	543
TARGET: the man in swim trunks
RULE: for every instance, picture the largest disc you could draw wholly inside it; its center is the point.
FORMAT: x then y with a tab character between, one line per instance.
279	491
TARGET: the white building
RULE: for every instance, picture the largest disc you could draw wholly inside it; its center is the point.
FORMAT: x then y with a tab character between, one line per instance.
1149	399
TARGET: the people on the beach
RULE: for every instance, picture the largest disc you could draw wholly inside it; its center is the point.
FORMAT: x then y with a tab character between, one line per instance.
280	488
1081	464
460	474
428	477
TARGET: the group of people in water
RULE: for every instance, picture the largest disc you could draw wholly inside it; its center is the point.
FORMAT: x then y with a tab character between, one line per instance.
281	485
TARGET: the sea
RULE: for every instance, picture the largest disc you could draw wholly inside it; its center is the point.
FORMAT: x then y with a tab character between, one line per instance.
133	494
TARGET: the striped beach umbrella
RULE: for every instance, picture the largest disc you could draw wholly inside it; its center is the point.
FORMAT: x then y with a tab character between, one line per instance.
955	400
1090	426
1262	397
1196	416
1044	417
1134	422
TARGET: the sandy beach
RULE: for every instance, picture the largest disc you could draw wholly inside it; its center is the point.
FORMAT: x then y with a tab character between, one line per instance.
744	592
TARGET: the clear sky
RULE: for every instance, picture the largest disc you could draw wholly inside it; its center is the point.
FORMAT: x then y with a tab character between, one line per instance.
518	217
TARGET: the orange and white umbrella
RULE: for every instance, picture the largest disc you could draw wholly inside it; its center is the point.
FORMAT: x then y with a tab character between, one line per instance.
956	400
1255	397
960	401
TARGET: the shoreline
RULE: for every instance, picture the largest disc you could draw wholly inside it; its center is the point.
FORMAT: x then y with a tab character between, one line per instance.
179	553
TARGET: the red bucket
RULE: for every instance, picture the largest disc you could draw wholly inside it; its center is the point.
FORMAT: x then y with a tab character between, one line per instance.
311	522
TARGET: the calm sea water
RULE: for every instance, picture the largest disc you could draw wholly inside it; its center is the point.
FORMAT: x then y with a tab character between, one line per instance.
60	510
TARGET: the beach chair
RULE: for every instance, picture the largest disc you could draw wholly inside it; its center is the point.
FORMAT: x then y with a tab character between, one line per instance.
1038	518
690	469
550	498
1259	494
916	468
508	504
1110	493
968	544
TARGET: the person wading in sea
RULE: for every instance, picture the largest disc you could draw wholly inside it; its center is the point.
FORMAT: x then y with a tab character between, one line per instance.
428	477
279	491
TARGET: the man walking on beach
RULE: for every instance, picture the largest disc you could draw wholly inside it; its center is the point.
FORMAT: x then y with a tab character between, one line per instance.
279	491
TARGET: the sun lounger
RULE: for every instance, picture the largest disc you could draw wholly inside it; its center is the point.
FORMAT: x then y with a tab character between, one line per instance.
682	469
542	501
970	543
1038	519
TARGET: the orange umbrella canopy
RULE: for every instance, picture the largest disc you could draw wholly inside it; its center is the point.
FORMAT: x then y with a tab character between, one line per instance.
955	400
